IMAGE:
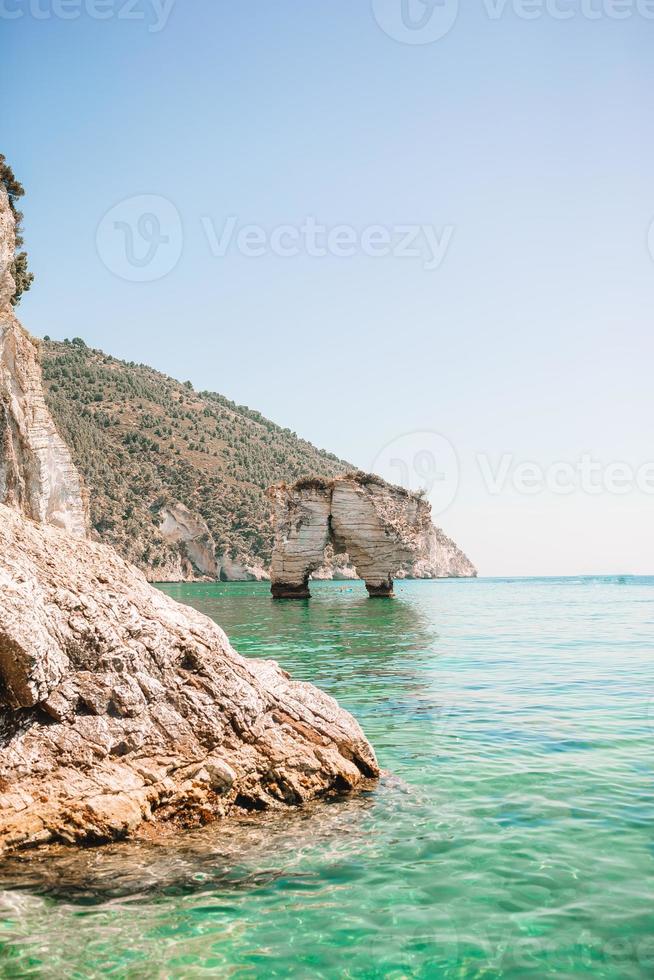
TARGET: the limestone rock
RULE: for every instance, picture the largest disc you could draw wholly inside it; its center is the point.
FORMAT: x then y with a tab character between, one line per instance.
37	475
438	557
301	516
180	526
240	570
118	705
335	567
36	471
378	526
7	249
385	531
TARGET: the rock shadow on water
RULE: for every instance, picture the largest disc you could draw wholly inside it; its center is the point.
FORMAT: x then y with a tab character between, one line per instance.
241	855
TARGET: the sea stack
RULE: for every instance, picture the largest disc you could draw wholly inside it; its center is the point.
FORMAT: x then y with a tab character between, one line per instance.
386	531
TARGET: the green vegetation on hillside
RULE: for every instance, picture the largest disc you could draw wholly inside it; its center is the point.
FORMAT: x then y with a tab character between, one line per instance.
142	440
23	278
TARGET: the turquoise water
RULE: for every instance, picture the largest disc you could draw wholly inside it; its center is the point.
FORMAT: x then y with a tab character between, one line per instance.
511	835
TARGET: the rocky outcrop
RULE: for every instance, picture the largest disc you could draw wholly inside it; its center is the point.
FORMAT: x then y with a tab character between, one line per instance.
438	557
119	708
441	558
301	518
385	531
334	567
7	249
197	558
178	525
240	570
36	470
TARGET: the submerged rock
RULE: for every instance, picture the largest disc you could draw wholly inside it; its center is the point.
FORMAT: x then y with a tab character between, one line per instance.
385	531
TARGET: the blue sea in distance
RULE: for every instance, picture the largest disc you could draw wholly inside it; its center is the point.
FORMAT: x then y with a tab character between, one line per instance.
510	836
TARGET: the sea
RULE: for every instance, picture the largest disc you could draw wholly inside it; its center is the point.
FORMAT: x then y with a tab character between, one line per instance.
510	836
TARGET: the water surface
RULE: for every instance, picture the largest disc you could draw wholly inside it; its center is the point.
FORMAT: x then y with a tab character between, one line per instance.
511	835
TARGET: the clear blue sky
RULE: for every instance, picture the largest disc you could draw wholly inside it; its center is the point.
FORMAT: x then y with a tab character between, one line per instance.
531	139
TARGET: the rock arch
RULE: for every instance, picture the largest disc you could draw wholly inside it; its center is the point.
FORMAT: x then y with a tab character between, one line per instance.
380	526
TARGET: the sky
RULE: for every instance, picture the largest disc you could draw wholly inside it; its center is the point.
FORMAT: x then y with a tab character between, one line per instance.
417	234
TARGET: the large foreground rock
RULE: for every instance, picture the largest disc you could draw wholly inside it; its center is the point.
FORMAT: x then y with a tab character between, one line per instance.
118	706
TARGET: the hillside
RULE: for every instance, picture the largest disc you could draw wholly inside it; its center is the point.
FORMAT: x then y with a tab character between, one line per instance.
175	476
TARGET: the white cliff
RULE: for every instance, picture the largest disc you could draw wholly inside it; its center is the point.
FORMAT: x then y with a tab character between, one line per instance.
179	525
37	475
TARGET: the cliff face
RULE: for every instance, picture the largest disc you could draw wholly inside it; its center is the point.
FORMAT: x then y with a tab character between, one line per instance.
117	705
383	530
437	557
7	250
179	526
194	555
37	475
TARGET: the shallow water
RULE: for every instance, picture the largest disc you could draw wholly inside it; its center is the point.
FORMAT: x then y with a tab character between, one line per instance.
510	837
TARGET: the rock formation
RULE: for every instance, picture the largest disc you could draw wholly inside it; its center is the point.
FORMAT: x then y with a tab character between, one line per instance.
240	570
180	526
142	441
196	556
437	557
384	530
37	475
334	567
177	478
119	707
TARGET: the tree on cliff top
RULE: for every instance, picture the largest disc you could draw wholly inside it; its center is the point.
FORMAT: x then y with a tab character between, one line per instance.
19	270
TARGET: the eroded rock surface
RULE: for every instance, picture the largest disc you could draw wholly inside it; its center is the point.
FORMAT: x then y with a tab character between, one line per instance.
301	516
178	525
335	567
438	557
7	249
385	531
37	475
117	705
